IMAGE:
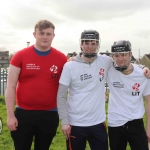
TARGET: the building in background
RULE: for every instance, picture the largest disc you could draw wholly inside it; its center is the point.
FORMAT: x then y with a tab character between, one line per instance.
4	64
145	60
4	59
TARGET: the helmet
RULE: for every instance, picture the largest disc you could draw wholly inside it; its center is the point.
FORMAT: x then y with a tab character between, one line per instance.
121	46
89	35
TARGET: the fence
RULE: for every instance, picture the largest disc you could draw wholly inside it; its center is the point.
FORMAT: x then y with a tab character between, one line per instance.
3	79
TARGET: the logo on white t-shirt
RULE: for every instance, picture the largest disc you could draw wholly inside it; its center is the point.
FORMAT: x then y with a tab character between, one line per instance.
101	73
118	84
85	76
135	89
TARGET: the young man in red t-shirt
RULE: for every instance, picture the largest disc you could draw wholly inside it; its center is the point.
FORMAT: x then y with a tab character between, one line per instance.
33	78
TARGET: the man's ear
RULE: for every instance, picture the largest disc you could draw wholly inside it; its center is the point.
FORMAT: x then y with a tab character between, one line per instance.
34	34
81	47
53	35
130	55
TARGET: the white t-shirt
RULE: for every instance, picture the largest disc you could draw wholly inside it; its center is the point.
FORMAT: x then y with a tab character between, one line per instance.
126	96
86	99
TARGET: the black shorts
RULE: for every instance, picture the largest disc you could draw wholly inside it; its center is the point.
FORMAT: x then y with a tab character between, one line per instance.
132	132
95	135
38	123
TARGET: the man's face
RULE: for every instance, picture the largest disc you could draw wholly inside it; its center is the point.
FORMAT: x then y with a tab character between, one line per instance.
44	38
122	59
89	46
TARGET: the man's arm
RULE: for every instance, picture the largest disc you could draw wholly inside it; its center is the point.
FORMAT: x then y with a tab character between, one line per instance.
147	98
145	70
10	96
62	109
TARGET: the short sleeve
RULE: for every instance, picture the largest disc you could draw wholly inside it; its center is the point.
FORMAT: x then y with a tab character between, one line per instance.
16	60
65	77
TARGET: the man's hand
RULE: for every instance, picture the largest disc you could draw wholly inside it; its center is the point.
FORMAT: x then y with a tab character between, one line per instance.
147	110
71	58
148	133
106	97
1	125
12	123
146	72
66	130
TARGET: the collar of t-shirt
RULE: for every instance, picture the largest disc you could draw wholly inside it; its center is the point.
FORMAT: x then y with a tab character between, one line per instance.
42	53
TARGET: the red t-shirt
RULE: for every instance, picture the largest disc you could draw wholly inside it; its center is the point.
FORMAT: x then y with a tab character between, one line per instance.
39	78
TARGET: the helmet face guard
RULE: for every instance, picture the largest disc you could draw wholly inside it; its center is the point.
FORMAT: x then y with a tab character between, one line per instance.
90	36
116	61
121	48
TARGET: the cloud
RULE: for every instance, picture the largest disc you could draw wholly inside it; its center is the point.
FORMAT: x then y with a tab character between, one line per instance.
88	10
144	34
114	19
23	15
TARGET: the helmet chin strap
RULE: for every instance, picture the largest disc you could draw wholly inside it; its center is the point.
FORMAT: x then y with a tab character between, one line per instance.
121	69
89	55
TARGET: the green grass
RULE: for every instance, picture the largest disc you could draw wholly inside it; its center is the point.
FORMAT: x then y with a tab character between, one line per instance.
58	142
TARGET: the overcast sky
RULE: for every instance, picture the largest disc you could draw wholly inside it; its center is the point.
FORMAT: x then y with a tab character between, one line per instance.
114	19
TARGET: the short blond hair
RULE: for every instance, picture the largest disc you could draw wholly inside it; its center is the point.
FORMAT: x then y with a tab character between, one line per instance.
44	24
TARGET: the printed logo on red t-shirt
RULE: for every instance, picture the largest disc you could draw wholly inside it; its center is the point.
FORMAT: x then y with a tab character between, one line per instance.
54	69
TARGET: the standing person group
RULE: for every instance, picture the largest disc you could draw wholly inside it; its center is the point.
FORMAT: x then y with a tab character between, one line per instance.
83	114
33	80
